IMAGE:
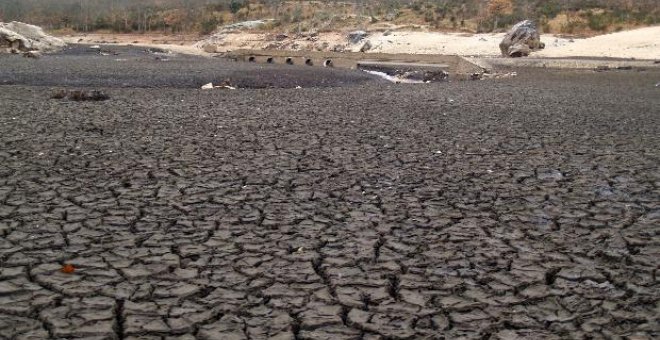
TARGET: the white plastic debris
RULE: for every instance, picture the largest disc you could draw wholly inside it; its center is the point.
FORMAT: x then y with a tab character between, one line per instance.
210	86
95	47
393	78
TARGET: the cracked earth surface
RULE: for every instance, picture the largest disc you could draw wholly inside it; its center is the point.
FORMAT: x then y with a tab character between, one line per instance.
522	209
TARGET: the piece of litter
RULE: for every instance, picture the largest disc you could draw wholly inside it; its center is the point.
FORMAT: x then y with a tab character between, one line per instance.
439	152
299	87
490	171
68	269
394	79
225	85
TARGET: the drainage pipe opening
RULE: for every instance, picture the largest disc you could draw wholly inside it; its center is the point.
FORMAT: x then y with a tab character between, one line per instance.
289	61
328	63
270	60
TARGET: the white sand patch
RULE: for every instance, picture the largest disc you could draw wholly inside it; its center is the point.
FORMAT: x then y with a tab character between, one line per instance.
643	43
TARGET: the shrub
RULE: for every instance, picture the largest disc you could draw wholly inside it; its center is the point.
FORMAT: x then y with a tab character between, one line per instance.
429	16
209	25
598	22
236	5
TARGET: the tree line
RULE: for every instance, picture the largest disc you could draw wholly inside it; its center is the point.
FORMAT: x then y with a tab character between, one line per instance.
204	16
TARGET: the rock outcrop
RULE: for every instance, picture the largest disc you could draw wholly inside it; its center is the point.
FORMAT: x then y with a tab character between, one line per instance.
356	36
18	37
521	40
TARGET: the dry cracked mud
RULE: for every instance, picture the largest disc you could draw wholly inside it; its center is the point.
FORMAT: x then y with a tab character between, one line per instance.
526	208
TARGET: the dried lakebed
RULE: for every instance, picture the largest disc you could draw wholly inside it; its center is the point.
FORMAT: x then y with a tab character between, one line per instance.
522	208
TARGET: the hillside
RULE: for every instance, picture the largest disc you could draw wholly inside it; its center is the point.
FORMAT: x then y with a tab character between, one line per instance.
204	16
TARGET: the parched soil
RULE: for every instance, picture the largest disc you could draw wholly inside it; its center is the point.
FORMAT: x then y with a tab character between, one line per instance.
522	208
130	67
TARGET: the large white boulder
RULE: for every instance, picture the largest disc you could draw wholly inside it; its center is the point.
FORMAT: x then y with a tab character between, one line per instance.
20	37
521	40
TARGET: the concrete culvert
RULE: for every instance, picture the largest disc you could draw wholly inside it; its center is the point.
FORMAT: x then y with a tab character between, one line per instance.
328	63
270	60
289	61
309	62
252	59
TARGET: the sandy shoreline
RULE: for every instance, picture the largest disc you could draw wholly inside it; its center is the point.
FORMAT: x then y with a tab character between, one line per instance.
643	43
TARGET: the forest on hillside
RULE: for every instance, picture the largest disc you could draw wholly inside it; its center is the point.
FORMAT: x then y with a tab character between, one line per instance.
204	16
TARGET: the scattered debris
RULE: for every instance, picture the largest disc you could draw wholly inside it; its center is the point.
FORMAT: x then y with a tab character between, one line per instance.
426	76
95	47
157	50
521	40
496	75
59	94
68	269
80	95
18	37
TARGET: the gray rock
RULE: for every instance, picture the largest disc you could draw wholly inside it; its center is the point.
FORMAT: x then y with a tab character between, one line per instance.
366	47
246	25
521	40
357	36
19	37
